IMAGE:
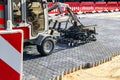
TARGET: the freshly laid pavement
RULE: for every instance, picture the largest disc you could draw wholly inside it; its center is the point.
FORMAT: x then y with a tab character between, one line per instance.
36	67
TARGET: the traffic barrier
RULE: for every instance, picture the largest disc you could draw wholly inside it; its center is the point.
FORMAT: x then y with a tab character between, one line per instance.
11	54
55	11
87	6
119	5
100	6
75	6
26	31
1	15
2	28
49	4
111	6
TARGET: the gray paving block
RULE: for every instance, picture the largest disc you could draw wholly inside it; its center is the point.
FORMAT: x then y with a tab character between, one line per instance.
64	58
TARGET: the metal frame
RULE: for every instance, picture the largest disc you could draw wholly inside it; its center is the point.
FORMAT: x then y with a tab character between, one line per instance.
44	2
24	16
9	15
23	5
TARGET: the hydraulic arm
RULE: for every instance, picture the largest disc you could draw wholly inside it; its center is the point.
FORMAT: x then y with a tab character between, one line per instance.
76	33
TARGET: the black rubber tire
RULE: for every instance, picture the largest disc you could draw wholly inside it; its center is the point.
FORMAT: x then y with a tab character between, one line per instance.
41	48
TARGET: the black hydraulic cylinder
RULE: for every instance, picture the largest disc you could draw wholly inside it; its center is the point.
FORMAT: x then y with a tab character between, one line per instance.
52	30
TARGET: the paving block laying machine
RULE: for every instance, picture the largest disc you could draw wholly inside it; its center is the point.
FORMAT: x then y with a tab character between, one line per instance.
72	35
31	16
24	15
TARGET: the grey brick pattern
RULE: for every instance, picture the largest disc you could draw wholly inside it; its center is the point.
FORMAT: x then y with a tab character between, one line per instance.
65	59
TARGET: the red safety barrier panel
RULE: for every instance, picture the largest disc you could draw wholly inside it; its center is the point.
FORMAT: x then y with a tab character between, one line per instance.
112	6
119	5
1	7
25	29
49	4
87	6
1	28
75	6
2	21
11	55
100	6
55	11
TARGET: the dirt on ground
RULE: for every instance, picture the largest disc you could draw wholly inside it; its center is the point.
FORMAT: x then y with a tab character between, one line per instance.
106	71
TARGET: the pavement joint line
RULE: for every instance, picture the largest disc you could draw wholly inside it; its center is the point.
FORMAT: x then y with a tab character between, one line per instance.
88	55
74	69
49	68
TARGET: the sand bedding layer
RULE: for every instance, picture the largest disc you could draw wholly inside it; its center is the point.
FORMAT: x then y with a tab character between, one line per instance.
107	71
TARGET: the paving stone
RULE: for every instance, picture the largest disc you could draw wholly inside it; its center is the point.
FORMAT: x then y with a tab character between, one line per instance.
36	67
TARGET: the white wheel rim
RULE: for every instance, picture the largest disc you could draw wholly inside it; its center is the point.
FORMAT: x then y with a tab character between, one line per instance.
48	46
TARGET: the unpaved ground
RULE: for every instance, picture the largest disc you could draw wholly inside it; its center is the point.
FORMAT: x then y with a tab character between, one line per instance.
106	71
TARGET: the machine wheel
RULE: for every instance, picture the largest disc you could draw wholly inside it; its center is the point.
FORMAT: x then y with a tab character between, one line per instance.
47	47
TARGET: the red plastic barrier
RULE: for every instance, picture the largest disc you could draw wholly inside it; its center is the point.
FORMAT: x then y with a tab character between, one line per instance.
75	6
119	5
1	28
55	11
11	55
1	7
100	6
112	6
2	20
87	6
49	4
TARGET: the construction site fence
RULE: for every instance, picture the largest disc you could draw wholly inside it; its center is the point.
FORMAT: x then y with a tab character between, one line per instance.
85	7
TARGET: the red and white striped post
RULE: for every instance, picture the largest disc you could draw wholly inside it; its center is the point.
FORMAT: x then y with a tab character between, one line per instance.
1	15
11	54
